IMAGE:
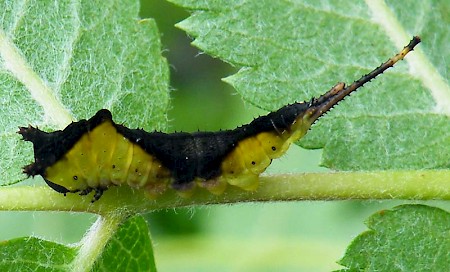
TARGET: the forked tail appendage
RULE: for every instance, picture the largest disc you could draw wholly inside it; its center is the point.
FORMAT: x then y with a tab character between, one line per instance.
319	106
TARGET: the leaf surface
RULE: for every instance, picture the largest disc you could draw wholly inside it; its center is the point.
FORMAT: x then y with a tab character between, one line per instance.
130	249
65	60
292	50
406	238
34	254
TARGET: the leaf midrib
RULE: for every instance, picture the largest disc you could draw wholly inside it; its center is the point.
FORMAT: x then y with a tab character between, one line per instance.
420	65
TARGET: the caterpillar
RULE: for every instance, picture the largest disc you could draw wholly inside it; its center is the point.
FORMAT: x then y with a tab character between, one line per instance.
95	154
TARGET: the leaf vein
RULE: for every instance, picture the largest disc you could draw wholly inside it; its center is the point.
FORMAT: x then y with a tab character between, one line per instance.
16	64
420	65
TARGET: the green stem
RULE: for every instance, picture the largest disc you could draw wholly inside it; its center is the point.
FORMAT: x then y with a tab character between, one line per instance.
400	184
93	242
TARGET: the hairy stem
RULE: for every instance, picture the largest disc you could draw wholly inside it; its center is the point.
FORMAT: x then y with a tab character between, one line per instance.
94	241
400	184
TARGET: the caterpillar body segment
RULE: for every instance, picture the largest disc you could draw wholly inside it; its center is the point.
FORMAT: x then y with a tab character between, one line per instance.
105	154
95	154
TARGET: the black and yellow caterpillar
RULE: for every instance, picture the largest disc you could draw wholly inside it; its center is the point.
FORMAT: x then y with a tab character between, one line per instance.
92	155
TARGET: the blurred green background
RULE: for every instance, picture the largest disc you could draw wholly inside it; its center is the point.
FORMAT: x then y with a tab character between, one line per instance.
300	236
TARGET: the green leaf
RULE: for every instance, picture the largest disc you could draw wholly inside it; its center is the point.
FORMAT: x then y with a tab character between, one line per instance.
130	249
65	60
406	238
292	50
34	254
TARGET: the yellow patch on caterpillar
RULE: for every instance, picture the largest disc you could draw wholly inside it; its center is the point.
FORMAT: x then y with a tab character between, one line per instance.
251	157
254	154
103	157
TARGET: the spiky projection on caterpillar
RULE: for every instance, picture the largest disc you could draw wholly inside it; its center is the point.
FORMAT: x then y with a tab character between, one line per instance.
92	155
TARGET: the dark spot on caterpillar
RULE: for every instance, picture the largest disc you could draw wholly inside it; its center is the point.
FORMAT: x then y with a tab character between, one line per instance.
181	158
